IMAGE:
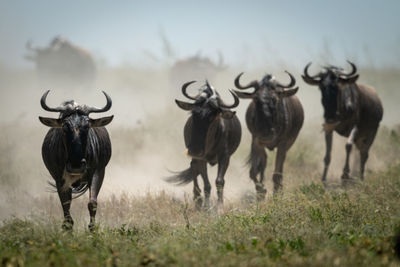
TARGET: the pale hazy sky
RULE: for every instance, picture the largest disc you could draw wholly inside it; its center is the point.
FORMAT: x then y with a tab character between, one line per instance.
246	32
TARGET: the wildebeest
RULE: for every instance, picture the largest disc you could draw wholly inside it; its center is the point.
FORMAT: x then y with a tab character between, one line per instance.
212	134
76	151
352	110
63	62
274	118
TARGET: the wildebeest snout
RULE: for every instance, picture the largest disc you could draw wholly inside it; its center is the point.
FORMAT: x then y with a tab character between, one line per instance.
79	167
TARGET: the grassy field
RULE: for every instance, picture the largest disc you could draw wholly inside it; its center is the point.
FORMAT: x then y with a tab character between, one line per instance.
311	226
144	221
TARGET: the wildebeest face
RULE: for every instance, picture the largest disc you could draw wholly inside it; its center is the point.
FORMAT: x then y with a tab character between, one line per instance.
329	91
206	110
331	82
75	124
75	129
266	95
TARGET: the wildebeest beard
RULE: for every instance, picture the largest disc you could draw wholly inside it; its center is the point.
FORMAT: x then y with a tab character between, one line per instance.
202	116
347	102
266	106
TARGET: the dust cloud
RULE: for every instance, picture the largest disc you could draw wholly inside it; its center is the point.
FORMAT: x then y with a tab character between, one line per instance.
147	134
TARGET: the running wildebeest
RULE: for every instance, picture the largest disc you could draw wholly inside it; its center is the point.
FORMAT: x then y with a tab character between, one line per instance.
76	151
352	110
194	68
212	134
274	118
63	62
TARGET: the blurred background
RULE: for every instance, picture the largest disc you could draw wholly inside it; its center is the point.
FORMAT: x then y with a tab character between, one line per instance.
141	52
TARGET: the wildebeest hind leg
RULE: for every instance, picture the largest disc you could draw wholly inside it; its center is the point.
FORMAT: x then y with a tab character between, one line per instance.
220	182
95	186
65	198
364	144
195	167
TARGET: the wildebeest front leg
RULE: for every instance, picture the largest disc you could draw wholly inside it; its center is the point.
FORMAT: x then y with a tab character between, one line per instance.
277	176
349	145
327	159
207	185
220	182
95	186
258	161
65	198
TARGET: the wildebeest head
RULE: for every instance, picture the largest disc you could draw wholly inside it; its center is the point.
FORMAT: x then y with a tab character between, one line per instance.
206	109
267	92
331	82
75	124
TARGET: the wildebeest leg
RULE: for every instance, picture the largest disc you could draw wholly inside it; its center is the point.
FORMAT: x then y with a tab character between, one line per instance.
363	160
258	161
364	144
65	198
207	185
277	176
95	186
195	167
349	145
327	159
223	163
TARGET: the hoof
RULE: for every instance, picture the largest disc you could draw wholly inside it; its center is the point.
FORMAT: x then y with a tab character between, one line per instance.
92	227
260	191
345	176
261	194
198	203
207	205
67	224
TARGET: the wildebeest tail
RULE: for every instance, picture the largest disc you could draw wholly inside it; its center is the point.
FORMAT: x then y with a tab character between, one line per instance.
52	188
80	190
181	178
76	191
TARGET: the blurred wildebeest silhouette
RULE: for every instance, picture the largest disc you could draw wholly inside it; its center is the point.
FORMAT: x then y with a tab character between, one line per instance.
196	67
212	134
274	118
63	62
76	151
352	110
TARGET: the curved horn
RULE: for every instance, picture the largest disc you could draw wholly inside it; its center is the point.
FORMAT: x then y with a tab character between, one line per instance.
47	108
234	105
292	81
104	109
353	71
310	79
184	86
253	84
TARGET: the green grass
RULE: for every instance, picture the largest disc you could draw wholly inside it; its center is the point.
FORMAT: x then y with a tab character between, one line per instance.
310	226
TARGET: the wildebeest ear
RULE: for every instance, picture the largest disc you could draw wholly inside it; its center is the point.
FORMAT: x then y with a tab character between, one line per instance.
349	80
184	105
288	92
100	122
227	114
309	80
51	122
244	95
